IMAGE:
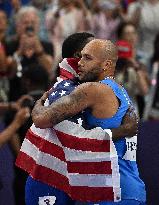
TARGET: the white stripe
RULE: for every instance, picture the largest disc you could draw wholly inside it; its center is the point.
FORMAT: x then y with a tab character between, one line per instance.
64	64
47	134
85	156
115	172
90	180
74	129
44	159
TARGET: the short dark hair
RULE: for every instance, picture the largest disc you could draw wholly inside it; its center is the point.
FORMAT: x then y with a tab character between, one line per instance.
74	43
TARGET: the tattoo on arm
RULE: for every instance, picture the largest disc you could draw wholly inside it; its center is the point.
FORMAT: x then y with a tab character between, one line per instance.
61	109
67	106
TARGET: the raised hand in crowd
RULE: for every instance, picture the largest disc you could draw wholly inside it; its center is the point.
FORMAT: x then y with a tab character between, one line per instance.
21	116
5	106
30	45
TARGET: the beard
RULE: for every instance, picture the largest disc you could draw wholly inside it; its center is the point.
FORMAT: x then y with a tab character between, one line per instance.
91	76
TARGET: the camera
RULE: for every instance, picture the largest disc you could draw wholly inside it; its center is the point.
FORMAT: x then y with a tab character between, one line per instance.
28	103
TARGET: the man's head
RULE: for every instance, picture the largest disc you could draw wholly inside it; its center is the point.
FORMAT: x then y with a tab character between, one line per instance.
27	20
98	60
74	43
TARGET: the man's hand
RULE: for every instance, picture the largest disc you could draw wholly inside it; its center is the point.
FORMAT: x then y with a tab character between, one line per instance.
21	116
130	122
18	104
129	126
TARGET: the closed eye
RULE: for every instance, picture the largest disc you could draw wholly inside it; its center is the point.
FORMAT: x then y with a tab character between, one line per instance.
87	57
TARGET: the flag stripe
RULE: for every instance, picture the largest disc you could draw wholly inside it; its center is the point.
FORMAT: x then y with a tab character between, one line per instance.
65	66
85	156
95	193
47	134
43	174
89	167
44	159
75	129
76	143
90	180
46	146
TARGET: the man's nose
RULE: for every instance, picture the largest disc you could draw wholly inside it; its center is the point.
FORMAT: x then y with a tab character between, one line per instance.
80	63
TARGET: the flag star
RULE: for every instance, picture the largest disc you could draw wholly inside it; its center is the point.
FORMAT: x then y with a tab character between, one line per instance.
66	84
62	93
54	93
79	120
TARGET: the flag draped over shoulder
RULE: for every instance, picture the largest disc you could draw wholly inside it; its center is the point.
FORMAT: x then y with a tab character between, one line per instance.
81	162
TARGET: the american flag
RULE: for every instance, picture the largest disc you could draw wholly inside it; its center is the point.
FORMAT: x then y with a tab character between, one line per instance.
83	163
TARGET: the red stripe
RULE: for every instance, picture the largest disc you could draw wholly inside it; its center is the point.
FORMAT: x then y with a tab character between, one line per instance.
46	146
84	144
66	74
93	194
89	167
42	173
54	179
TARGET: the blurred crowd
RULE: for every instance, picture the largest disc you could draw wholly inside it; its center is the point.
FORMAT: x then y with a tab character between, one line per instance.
31	35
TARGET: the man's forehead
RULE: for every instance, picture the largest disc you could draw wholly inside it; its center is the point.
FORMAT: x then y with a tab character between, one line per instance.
92	47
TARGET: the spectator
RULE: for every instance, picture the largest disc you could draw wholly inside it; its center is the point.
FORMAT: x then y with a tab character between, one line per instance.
127	32
19	119
3	27
7	5
105	20
152	106
42	7
35	80
27	48
129	73
16	4
67	19
145	15
5	61
6	156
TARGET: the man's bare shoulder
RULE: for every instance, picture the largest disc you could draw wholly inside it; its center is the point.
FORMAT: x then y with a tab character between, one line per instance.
93	88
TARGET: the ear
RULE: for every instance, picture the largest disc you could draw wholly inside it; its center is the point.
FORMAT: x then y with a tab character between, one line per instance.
108	64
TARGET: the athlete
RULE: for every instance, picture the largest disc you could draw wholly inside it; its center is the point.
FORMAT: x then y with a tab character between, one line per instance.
99	93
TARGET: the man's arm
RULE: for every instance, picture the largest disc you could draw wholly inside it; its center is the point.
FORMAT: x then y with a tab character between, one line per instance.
67	106
128	128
